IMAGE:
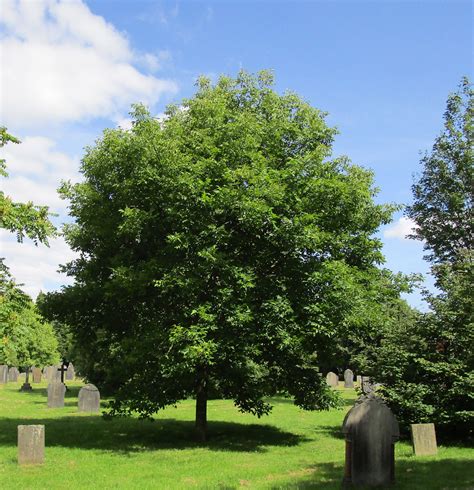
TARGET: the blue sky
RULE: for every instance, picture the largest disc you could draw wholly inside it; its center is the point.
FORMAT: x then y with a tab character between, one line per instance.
382	69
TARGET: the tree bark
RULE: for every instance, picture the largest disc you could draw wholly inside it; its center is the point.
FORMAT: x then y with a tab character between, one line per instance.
201	406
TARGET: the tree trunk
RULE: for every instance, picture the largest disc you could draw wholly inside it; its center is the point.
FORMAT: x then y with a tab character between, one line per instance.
201	406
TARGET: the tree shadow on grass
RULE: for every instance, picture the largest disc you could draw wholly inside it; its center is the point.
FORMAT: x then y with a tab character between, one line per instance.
127	435
410	474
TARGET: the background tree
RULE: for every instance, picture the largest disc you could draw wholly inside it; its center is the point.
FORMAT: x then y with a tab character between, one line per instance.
26	339
218	248
427	368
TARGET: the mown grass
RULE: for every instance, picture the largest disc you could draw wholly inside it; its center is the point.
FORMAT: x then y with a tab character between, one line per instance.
290	449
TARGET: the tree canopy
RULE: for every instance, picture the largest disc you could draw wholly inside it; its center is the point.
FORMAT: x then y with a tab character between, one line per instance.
221	248
427	367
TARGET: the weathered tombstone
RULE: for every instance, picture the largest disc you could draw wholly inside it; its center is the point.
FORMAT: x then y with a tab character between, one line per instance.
3	373
70	373
13	374
48	372
56	393
359	380
367	386
30	444
36	375
423	437
370	430
332	379
89	399
348	379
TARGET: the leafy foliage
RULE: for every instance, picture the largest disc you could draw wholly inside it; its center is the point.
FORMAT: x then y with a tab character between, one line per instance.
26	339
219	248
427	367
24	219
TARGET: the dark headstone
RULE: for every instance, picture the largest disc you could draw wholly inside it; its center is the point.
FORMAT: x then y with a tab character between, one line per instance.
348	379
3	373
332	379
30	444
70	373
89	399
423	437
13	374
36	375
370	430
56	393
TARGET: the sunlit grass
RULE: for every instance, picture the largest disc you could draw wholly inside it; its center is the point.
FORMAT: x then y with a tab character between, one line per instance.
290	448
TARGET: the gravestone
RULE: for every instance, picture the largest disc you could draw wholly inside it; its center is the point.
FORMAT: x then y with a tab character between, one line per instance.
31	444
332	379
89	399
370	430
56	393
367	386
423	437
359	380
13	374
56	373
36	375
26	385
3	373
348	379
48	372
70	373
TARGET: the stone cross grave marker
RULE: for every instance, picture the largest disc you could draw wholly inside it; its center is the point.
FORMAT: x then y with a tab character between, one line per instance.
348	379
30	444
36	375
423	437
26	385
56	393
13	374
89	399
371	430
3	373
332	379
60	372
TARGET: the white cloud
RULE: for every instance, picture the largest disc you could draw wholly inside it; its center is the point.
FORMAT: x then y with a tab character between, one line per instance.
400	229
36	169
60	63
35	266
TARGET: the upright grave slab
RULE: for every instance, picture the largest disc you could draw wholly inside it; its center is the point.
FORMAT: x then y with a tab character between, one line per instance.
3	373
70	373
370	430
56	393
348	379
30	444
423	437
332	379
36	375
89	399
13	374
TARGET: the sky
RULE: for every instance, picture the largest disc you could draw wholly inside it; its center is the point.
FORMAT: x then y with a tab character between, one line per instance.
69	69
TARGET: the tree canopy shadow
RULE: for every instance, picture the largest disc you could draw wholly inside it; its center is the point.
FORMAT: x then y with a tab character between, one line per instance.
127	435
410	474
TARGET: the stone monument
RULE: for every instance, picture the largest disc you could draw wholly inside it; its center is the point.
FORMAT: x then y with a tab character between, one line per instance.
348	379
56	393
70	373
89	399
13	374
423	437
370	430
30	444
36	375
332	379
3	373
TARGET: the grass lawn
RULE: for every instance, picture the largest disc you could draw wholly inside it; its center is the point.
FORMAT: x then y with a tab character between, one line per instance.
290	449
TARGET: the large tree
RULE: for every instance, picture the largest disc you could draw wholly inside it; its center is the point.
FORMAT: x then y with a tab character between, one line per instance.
220	248
427	366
